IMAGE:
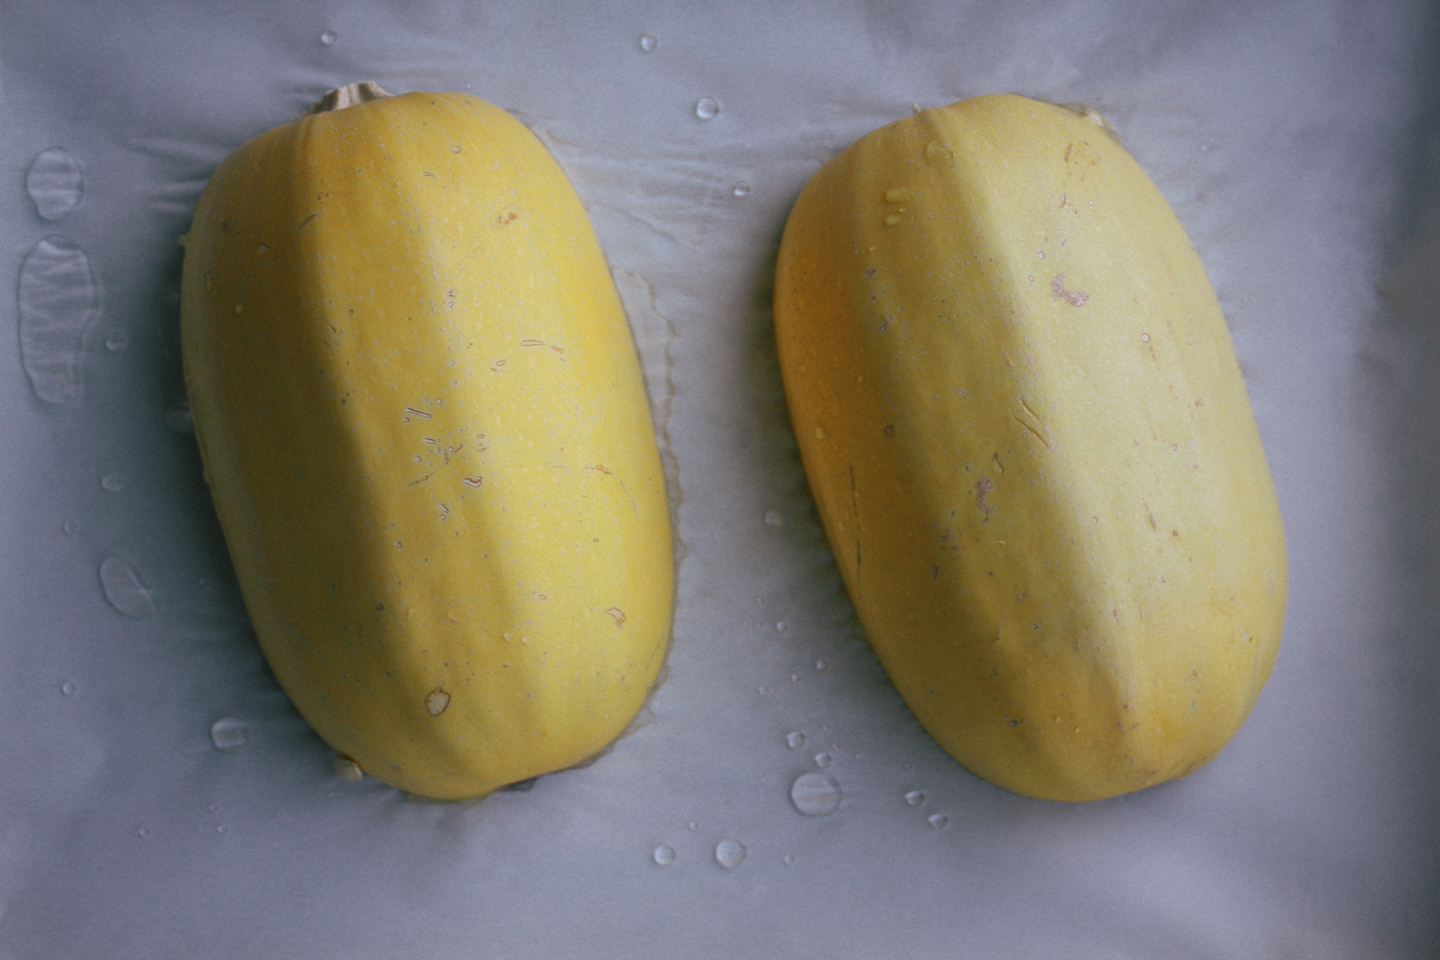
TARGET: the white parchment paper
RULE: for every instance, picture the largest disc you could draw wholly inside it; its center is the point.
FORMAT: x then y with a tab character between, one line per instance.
1299	143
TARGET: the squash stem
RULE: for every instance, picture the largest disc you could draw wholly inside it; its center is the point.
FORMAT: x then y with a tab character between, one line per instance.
347	96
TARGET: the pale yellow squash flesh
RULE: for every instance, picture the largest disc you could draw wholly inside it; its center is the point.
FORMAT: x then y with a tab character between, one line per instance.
424	425
1024	425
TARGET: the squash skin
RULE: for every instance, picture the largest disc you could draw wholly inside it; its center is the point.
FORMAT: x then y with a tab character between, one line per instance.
425	429
1028	438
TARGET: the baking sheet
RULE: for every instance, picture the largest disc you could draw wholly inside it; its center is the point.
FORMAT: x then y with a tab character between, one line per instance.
159	797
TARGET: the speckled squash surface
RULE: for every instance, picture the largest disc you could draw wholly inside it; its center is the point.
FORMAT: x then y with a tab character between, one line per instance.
423	422
1027	433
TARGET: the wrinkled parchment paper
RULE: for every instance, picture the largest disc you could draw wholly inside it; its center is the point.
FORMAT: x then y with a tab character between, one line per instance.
159	797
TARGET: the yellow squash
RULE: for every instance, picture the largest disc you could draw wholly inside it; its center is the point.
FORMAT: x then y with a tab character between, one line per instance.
1024	425
423	422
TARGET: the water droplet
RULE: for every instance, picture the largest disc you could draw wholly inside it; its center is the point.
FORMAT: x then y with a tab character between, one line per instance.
742	190
1144	338
59	298
125	590
55	182
815	794
707	108
781	626
774	518
117	341
69	527
229	733
664	854
821	666
1206	146
649	42
794	678
795	740
787	859
893	219
763	690
143	832
348	770
730	853
936	152
67	688
692	826
221	828
179	418
937	820
112	482
914	798
823	760
328	37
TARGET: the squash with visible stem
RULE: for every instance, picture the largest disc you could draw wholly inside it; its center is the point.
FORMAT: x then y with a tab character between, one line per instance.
423	422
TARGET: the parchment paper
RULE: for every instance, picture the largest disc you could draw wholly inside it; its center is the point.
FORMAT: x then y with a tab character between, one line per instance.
159	797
